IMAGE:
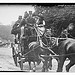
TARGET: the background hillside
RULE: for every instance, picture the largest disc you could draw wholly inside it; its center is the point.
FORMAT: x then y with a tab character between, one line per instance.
5	32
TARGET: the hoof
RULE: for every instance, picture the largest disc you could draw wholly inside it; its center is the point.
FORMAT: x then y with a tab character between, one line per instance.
50	68
33	69
67	70
43	70
30	70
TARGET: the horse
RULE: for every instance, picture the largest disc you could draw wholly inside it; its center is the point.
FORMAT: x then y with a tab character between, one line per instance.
53	43
30	57
40	50
61	48
65	48
35	50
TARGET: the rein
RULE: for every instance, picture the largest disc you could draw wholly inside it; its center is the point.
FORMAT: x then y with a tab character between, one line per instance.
37	41
39	38
30	51
58	55
54	52
41	47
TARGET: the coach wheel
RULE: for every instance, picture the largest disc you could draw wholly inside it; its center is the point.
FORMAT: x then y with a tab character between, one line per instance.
15	60
21	62
43	69
13	51
14	56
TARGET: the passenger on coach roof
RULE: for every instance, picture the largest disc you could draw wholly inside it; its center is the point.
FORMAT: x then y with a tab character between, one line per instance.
16	30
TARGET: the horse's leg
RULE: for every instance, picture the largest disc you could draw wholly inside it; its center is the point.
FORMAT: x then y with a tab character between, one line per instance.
69	65
42	59
34	68
29	65
14	56
43	69
45	65
72	62
50	63
60	64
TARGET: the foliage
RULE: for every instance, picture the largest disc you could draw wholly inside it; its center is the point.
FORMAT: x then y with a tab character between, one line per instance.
57	17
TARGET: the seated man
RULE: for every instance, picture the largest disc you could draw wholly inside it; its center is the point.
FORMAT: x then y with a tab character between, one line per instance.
40	25
27	30
40	29
25	39
16	30
23	22
65	33
28	21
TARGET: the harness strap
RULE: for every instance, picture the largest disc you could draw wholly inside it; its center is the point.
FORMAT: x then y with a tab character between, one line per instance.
58	55
52	51
38	36
48	49
30	50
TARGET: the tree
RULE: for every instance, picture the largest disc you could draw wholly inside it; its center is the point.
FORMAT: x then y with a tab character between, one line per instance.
57	17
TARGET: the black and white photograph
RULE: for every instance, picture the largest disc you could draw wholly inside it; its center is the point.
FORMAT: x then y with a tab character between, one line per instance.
37	37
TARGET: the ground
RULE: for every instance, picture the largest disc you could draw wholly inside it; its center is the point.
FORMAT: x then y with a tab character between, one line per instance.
7	63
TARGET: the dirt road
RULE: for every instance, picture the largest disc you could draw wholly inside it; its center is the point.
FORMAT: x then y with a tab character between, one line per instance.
7	63
6	60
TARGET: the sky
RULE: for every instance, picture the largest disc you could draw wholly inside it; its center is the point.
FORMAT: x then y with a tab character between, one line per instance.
10	13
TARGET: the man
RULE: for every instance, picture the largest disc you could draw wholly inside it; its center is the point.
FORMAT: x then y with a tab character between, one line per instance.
17	22
71	26
71	30
27	28
41	24
24	33
23	22
28	21
16	29
40	29
66	32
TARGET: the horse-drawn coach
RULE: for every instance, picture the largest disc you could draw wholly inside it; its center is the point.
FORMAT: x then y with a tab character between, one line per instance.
37	45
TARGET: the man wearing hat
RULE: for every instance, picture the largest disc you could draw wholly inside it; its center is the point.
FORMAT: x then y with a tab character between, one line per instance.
66	32
16	29
23	22
41	24
28	21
